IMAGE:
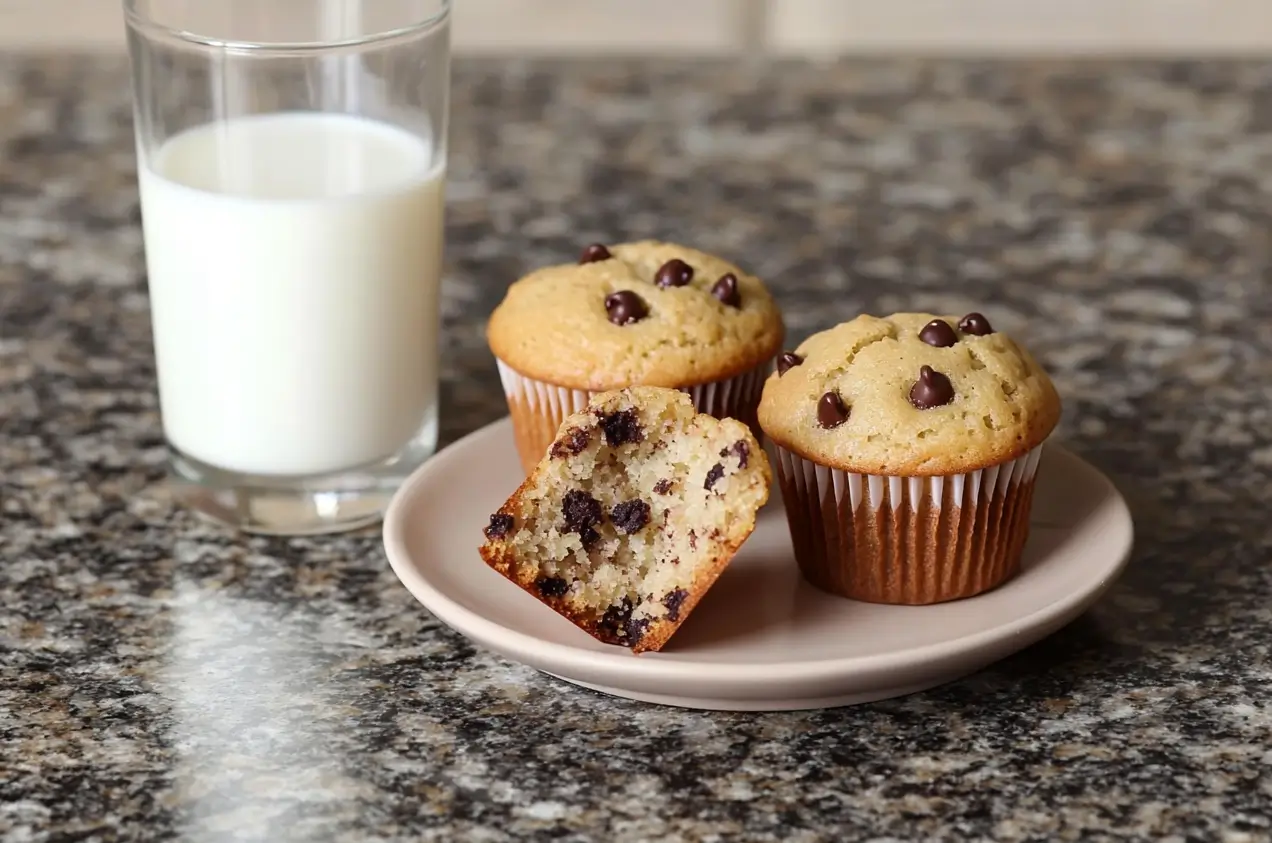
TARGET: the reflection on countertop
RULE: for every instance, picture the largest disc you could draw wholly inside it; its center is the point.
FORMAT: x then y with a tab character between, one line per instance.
162	679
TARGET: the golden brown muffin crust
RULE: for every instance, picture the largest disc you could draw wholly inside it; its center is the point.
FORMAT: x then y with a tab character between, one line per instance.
553	324
1003	403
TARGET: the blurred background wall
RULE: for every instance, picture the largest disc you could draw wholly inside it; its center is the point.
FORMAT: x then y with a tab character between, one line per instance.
790	27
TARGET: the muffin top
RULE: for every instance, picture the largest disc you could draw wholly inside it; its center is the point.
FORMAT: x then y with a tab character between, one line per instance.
647	313
912	395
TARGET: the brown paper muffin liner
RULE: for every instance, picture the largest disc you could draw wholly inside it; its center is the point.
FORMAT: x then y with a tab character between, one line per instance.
907	540
538	408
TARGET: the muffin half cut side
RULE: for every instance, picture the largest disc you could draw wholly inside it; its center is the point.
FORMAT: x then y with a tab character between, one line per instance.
637	508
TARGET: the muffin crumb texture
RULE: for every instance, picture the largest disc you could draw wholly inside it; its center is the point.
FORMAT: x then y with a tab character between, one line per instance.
913	394
628	521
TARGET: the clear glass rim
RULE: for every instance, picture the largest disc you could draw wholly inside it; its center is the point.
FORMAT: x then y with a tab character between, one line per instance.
140	23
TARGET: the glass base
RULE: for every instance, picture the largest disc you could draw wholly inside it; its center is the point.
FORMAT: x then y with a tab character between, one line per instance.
293	506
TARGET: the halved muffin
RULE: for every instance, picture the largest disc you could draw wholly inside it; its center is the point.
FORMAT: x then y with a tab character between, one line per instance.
634	512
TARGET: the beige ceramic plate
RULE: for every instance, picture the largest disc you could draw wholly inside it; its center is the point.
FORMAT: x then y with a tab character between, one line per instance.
762	639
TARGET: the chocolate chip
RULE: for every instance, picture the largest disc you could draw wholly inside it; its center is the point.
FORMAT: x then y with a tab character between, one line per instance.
932	389
500	526
625	307
595	252
831	411
693	540
787	361
551	586
726	290
673	600
617	624
580	510
582	513
630	516
938	333
616	616
662	487
739	449
621	427
635	630
713	476
573	443
674	273
974	323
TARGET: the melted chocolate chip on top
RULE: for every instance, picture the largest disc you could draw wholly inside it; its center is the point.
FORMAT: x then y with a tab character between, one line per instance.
938	333
726	290
932	389
787	361
625	307
674	273
831	412
595	252
976	324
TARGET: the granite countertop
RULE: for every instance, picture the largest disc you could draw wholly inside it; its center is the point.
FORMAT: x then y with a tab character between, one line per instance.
161	678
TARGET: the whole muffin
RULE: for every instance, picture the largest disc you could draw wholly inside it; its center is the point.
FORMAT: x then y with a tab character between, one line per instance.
907	449
633	314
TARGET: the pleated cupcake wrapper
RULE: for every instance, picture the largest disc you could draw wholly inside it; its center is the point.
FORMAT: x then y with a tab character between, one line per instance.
538	408
907	540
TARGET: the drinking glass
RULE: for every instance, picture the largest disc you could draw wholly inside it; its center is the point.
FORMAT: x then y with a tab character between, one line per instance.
291	161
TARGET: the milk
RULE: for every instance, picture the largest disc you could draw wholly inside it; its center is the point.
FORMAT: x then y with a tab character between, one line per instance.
294	264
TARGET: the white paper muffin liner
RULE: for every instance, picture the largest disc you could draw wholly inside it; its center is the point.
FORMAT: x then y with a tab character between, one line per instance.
538	408
908	540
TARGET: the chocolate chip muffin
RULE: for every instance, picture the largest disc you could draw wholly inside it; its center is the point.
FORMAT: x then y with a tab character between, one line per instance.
632	514
907	449
633	314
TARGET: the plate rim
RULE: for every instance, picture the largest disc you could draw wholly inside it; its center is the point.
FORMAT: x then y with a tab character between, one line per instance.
549	655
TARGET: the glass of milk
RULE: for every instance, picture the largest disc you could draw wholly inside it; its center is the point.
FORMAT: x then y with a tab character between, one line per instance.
291	159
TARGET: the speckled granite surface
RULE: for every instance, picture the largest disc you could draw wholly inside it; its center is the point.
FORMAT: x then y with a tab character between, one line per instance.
162	679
